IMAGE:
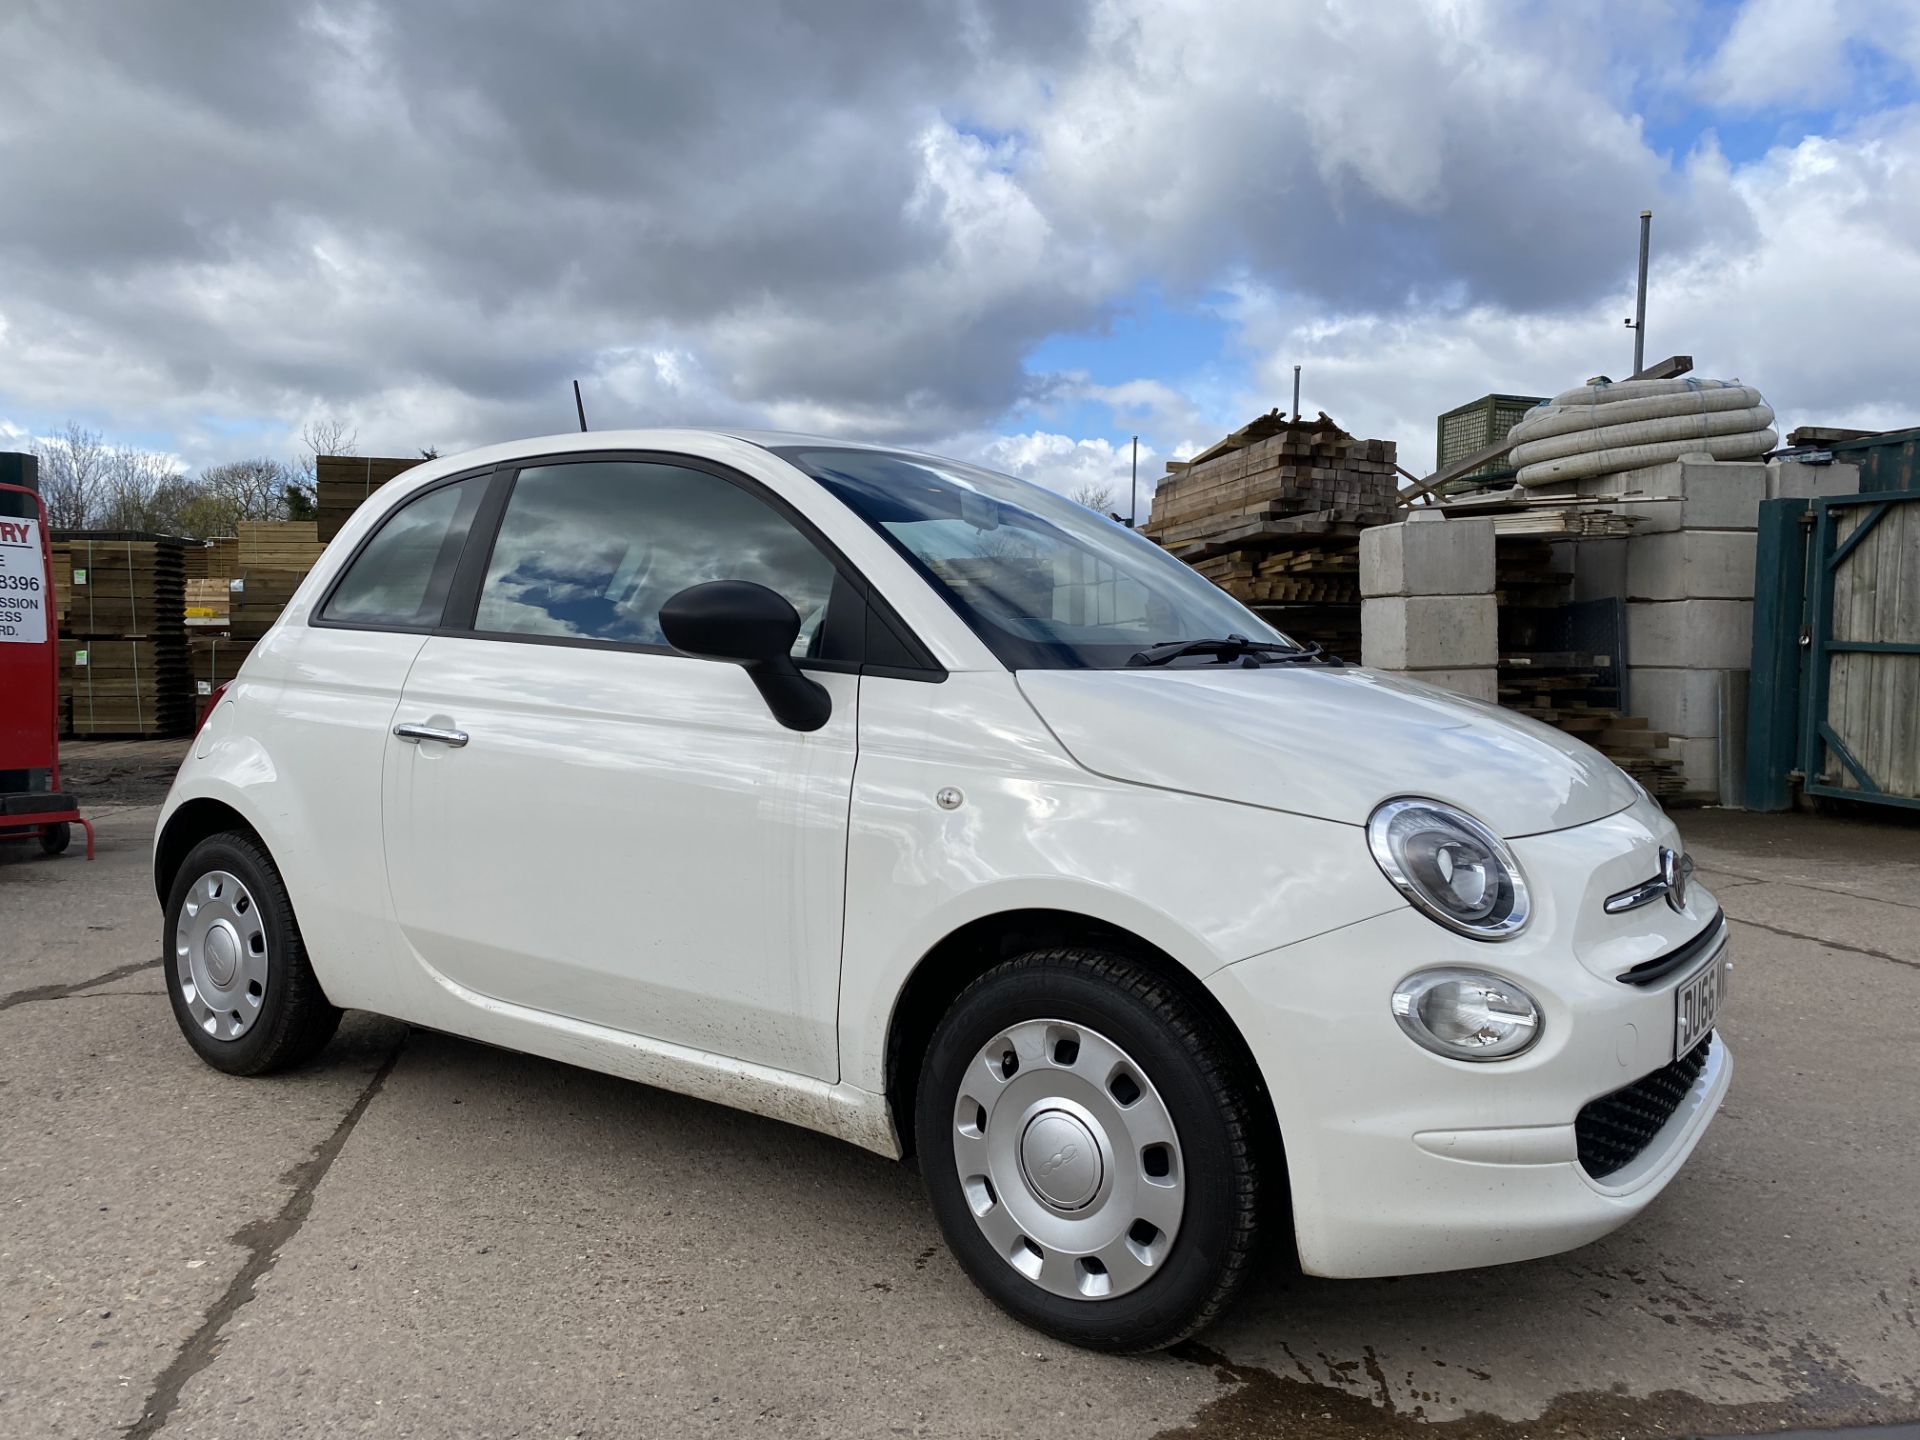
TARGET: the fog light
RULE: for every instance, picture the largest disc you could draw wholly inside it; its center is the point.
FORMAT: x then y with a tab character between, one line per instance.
1466	1014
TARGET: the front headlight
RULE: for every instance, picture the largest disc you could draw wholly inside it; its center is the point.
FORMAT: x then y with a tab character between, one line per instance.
1450	866
1466	1015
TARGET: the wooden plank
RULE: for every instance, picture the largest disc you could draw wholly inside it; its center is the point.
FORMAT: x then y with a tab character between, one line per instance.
1671	368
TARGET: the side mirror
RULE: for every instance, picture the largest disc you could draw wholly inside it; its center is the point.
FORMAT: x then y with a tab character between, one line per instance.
753	627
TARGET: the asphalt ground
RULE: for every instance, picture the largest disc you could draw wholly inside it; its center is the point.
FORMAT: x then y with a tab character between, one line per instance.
422	1236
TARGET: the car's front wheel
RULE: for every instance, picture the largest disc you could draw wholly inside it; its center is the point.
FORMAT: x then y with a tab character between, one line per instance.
237	971
1091	1150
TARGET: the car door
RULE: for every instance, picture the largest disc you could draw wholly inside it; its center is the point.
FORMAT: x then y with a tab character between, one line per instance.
321	689
626	836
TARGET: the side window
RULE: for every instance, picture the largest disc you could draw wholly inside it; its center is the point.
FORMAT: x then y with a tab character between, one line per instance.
402	576
593	550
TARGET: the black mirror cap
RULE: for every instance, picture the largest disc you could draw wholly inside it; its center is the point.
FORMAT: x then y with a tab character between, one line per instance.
753	627
733	620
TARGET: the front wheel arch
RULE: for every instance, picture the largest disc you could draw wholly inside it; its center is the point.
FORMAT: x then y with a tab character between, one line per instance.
969	952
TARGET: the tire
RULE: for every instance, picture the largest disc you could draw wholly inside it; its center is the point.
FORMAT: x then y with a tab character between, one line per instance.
1089	1028
55	838
246	998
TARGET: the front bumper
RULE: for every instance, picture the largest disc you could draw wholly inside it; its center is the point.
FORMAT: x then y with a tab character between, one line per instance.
1401	1161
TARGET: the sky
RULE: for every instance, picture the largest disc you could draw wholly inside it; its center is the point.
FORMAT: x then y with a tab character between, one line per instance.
1018	233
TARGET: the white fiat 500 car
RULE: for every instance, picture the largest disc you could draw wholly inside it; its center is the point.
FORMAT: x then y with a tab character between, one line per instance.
919	806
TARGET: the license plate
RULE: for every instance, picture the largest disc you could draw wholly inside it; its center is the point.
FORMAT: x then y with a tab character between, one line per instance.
1696	1005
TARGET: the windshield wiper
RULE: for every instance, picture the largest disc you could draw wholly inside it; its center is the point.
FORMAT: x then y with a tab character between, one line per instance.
1229	648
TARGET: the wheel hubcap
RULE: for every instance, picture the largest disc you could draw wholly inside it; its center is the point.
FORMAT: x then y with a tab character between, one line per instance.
1068	1159
220	955
1060	1159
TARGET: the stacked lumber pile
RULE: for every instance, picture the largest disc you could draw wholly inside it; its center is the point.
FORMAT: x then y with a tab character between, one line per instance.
1272	480
1319	574
255	598
1272	514
1573	522
207	604
62	584
343	482
123	585
1574	690
128	687
124	634
277	545
214	660
223	558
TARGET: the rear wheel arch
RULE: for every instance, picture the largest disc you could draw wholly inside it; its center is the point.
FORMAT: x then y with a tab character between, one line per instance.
978	946
187	827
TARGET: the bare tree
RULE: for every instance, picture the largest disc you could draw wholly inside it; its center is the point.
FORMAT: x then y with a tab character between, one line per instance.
329	435
1094	494
73	466
138	490
224	495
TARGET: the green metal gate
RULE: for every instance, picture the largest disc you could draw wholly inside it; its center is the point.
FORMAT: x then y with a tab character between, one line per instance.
1835	700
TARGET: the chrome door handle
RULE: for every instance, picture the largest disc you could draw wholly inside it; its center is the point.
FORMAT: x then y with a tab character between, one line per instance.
417	733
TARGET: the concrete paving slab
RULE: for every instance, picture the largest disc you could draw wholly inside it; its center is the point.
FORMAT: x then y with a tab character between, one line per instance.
65	919
130	1177
1867	854
508	1246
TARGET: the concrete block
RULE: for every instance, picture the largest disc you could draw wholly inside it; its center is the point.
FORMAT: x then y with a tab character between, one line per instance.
1477	684
1794	479
1700	768
1690	634
1687	564
1425	557
1688	494
1430	632
1680	702
1599	568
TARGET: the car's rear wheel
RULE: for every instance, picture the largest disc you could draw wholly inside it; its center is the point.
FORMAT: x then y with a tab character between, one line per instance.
237	971
1090	1149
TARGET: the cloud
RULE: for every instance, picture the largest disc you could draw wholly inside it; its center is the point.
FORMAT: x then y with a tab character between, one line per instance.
1807	52
1817	312
1076	467
863	218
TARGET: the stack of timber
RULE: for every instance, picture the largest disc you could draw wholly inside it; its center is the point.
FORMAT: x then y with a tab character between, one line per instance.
123	585
278	545
1572	690
343	482
214	660
123	637
255	598
207	604
127	687
1272	514
223	558
62	584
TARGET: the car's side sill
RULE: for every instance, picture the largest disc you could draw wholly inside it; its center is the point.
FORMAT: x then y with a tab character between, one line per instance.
844	1111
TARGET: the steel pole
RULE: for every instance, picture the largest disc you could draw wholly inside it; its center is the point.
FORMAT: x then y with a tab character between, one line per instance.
1133	510
1296	392
1640	297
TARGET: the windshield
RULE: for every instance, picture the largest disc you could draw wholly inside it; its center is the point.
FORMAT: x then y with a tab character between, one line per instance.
1046	583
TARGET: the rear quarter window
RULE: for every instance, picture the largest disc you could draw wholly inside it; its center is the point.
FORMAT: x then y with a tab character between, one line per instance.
401	576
